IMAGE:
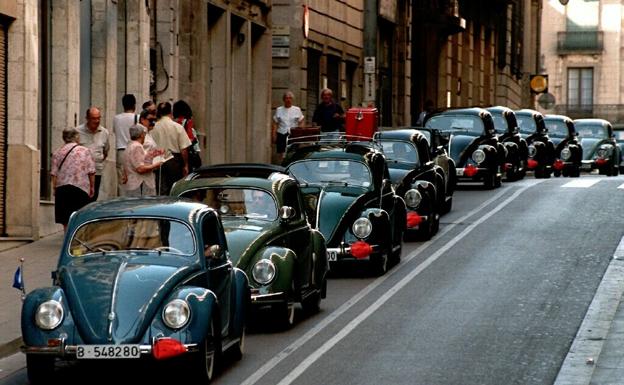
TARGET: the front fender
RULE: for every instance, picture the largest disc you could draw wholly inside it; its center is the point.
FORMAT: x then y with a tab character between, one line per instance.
380	220
284	260
428	192
31	333
203	305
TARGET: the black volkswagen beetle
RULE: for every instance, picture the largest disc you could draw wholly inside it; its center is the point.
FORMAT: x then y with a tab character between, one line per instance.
600	149
618	132
568	148
473	144
540	150
509	134
349	199
416	178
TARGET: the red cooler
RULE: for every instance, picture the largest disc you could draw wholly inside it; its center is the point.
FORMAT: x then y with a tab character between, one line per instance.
361	122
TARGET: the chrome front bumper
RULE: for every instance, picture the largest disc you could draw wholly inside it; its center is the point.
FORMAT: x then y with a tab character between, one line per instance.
70	350
343	253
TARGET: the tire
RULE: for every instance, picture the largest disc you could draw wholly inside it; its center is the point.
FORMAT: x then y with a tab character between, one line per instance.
557	173
238	349
447	206
204	363
489	181
379	264
285	314
575	171
396	254
39	368
312	303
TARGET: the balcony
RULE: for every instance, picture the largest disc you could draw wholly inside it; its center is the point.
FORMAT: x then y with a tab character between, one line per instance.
580	42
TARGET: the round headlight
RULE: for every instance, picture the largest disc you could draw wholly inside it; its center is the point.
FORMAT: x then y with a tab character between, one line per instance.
49	315
532	151
263	271
176	313
566	153
413	198
602	152
478	156
362	227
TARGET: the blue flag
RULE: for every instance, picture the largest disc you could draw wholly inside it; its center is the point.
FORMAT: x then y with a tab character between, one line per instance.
18	280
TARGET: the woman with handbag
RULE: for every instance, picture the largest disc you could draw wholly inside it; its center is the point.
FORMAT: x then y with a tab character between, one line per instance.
73	177
183	115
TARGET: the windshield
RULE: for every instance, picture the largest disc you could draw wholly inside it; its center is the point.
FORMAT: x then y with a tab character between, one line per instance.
556	128
526	124
500	123
237	202
589	130
455	123
326	172
400	151
619	135
123	234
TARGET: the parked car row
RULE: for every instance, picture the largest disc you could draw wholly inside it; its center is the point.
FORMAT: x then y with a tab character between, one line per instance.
178	279
487	144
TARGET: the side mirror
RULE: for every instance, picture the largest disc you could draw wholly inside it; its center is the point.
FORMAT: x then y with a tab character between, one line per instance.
386	183
286	213
213	252
439	150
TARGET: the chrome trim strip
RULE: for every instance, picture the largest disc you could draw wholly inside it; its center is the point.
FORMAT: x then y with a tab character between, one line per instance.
111	314
258	297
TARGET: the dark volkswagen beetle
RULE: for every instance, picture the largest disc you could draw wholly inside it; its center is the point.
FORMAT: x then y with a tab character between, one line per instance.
268	233
416	178
349	198
600	149
618	132
540	150
437	143
138	278
473	144
568	147
509	134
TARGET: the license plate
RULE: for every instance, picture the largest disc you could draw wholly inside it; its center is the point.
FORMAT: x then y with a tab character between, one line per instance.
460	172
101	352
332	256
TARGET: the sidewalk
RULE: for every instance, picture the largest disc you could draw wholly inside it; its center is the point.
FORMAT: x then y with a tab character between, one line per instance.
40	258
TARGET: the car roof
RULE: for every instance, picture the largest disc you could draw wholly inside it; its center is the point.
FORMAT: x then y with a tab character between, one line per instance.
349	150
271	185
602	122
528	112
259	170
400	134
500	109
161	206
557	117
465	111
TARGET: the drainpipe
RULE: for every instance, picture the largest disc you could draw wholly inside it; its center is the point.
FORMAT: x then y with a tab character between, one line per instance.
370	51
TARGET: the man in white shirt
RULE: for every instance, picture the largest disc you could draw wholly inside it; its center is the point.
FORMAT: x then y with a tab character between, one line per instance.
121	125
95	138
286	117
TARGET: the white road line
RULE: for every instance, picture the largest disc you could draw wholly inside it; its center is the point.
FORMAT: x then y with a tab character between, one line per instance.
582	183
305	364
593	332
621	186
273	362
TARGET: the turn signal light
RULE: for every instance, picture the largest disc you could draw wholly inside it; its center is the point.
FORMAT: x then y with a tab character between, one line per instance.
361	249
601	162
470	171
413	219
167	347
558	165
531	163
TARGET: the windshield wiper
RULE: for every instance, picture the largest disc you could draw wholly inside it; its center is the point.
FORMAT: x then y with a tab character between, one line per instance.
91	249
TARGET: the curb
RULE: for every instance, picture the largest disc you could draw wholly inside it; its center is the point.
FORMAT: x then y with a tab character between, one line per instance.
11	347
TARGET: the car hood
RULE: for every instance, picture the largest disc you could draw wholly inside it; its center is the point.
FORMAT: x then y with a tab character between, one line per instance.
241	235
129	292
397	175
460	145
338	209
590	145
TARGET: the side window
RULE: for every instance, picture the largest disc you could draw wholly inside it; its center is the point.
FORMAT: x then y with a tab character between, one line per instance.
212	234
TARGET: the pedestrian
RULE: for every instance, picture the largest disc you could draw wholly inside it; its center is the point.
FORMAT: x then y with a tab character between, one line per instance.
147	120
422	117
96	139
73	176
183	114
171	137
139	165
285	118
121	127
329	115
150	106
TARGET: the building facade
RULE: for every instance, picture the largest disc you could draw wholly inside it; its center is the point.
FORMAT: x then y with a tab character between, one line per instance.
58	57
582	46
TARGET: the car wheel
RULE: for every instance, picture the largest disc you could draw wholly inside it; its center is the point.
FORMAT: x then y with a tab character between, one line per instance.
312	303
285	313
447	205
379	264
575	171
205	360
239	348
39	368
489	181
616	170
557	173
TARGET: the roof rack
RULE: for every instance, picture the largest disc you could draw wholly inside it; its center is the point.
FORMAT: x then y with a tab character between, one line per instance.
237	170
333	138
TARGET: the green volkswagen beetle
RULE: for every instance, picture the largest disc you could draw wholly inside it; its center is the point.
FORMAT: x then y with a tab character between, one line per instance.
267	232
350	199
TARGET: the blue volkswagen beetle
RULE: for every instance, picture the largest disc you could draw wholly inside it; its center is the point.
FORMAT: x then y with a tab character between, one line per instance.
138	278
